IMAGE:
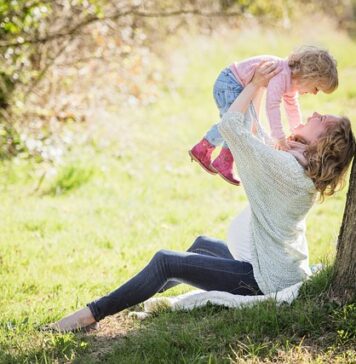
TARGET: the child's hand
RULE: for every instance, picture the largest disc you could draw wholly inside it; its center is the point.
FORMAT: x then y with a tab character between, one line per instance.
282	144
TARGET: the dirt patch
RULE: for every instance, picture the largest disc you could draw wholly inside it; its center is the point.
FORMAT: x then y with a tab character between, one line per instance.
112	329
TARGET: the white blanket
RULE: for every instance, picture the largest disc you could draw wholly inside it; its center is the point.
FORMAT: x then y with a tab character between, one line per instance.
198	298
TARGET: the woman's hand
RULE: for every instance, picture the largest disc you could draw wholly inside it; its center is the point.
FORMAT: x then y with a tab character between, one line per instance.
264	72
282	144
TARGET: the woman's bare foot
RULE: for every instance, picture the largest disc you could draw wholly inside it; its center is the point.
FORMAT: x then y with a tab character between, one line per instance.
75	321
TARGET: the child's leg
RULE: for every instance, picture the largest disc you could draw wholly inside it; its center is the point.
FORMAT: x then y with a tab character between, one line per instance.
213	136
224	163
225	91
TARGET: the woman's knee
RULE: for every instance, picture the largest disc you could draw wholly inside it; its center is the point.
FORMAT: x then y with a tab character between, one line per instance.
198	242
164	262
161	256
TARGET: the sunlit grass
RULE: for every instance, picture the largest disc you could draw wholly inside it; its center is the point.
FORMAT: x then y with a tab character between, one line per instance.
69	178
133	191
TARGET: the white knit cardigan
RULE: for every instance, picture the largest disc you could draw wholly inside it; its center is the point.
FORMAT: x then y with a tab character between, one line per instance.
280	196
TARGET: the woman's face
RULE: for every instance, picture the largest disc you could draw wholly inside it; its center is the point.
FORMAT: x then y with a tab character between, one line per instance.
315	126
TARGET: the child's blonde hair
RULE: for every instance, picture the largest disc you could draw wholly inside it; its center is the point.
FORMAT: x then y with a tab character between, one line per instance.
310	63
329	158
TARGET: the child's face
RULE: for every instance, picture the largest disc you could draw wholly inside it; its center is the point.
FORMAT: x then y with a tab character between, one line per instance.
307	87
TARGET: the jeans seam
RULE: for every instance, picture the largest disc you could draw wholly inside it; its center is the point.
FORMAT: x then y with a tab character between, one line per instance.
206	251
246	286
215	270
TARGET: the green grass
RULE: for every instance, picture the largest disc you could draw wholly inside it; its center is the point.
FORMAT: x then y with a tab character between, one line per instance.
69	178
131	191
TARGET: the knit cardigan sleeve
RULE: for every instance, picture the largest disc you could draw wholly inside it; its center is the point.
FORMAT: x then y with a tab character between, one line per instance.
262	168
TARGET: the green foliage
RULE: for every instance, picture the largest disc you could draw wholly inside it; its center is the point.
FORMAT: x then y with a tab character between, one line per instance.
36	33
10	141
260	8
19	21
7	85
70	177
32	33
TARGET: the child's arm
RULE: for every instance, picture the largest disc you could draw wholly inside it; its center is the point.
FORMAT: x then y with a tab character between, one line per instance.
292	108
275	90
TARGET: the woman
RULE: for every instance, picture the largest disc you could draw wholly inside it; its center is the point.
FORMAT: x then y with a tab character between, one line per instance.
267	249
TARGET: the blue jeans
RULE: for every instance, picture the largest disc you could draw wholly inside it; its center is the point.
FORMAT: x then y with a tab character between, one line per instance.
226	89
208	264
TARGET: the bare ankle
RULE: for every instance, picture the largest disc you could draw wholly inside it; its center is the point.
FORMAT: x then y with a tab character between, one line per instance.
76	320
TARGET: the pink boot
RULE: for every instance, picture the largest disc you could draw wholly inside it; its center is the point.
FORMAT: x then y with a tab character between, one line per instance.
201	153
223	165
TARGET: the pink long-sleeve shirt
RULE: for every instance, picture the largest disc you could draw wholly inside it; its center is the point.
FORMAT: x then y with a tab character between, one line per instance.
279	88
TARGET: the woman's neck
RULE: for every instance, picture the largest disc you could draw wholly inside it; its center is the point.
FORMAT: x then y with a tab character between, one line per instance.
297	149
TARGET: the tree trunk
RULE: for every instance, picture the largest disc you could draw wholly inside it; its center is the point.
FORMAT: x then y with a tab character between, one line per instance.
343	286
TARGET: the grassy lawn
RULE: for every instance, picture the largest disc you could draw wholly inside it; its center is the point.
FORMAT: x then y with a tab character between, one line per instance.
131	190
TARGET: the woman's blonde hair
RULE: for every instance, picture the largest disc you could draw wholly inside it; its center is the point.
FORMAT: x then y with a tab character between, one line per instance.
329	158
310	63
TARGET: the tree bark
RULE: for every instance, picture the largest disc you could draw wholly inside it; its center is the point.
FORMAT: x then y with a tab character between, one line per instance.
343	285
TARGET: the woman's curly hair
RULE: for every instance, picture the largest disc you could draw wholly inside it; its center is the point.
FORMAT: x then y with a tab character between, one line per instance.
310	63
329	158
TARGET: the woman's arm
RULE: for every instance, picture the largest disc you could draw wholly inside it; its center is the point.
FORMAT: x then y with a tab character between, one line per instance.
244	99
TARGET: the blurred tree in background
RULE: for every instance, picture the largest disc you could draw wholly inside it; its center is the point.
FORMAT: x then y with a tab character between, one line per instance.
59	57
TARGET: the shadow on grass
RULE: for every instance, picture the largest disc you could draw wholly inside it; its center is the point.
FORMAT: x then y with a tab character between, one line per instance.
311	329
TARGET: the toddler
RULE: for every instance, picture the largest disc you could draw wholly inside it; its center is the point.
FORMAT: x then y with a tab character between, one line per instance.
307	70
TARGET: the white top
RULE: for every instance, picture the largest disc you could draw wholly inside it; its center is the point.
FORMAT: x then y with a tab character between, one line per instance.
280	196
239	236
